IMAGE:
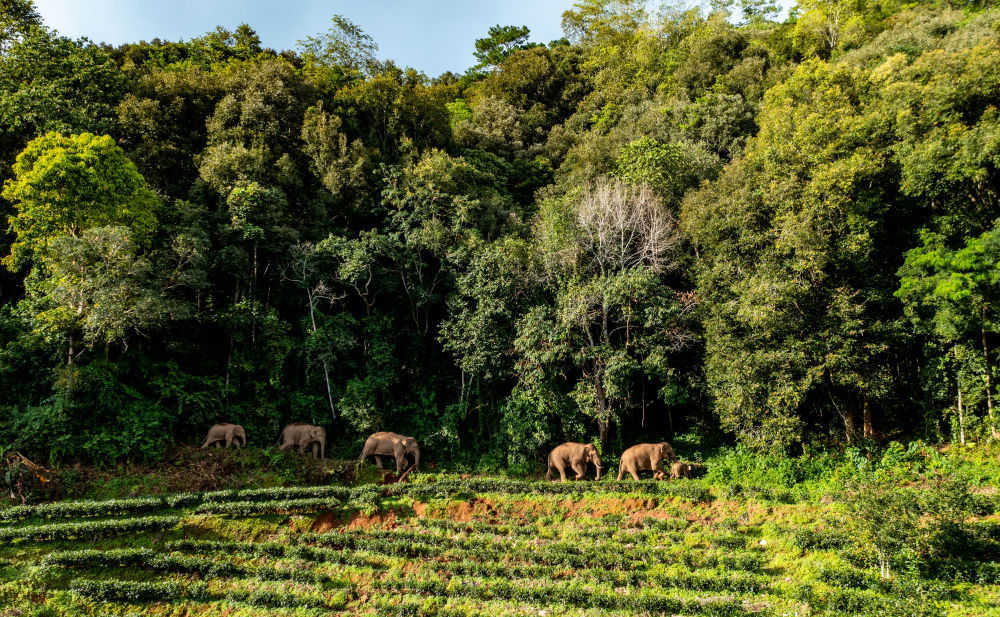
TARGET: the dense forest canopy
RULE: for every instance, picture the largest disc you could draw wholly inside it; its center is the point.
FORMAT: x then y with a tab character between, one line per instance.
684	220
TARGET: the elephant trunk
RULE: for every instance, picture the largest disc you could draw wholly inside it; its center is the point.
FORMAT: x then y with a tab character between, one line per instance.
416	458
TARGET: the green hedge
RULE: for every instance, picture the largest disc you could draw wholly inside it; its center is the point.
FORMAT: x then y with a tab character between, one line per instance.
285	506
572	594
150	560
87	530
567	554
81	509
146	592
274	549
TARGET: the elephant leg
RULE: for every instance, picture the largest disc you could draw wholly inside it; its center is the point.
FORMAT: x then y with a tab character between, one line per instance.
286	445
218	444
562	473
548	473
378	461
621	473
634	470
315	448
580	469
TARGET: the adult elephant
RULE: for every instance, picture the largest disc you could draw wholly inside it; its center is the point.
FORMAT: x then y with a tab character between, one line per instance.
646	456
302	435
395	445
225	432
576	456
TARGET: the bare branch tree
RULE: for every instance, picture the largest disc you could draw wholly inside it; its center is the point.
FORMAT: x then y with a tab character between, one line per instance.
622	226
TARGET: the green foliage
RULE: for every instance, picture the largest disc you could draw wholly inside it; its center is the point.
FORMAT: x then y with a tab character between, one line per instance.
66	185
502	40
87	530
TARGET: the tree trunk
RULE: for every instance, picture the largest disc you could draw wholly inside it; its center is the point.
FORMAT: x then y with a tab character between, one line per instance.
989	379
71	351
326	370
602	407
958	385
849	429
869	433
848	416
961	418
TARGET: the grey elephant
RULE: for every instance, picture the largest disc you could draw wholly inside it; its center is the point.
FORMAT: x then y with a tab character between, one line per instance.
225	432
646	456
384	443
302	435
576	456
680	470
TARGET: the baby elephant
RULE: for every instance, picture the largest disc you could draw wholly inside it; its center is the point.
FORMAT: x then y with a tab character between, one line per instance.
646	456
680	470
576	456
225	432
304	435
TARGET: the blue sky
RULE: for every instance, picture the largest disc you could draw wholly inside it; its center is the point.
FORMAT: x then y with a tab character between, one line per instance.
431	35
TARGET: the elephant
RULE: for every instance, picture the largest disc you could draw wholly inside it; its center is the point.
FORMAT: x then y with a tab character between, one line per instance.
229	433
395	445
303	435
646	456
680	470
575	455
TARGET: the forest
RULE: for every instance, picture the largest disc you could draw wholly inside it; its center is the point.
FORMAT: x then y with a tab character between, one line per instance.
777	231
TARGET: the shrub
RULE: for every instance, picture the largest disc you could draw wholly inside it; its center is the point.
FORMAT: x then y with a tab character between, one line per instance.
87	530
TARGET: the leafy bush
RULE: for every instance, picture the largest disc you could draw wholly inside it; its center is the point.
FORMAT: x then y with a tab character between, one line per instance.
79	509
87	530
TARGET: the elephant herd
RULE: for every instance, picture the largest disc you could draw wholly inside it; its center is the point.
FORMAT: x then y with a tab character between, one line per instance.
304	436
575	456
640	457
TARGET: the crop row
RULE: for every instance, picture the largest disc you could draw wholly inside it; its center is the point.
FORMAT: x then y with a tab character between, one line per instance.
977	572
367	493
737	582
81	509
152	561
604	555
145	592
284	506
600	528
572	593
87	530
274	549
412	605
601	533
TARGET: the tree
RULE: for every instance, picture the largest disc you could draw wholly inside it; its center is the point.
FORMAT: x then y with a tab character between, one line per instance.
502	40
64	185
17	17
345	46
605	249
955	295
98	285
52	83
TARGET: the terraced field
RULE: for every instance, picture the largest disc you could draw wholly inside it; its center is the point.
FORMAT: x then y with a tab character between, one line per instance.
467	547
